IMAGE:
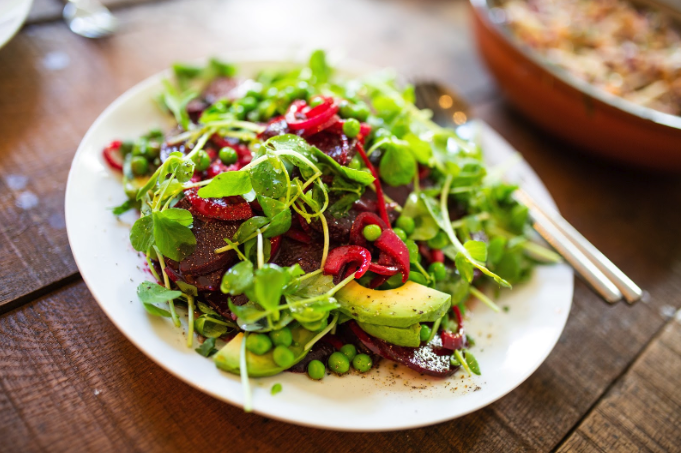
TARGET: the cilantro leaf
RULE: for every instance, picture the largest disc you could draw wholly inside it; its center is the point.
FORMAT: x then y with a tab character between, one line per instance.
227	184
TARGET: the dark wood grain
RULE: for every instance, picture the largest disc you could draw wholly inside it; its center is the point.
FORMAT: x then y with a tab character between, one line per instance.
69	381
53	84
642	411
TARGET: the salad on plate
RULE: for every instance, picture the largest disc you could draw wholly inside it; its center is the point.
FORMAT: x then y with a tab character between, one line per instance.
316	224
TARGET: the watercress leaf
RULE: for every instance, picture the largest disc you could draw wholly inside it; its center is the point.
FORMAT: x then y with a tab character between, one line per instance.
495	250
142	234
419	148
397	166
153	293
268	178
247	313
181	216
434	210
219	68
207	349
251	249
464	267
477	250
270	206
249	227
173	237
211	327
276	388
238	278
279	224
518	218
154	310
359	176
205	308
341	207
321	71
227	184
176	102
472	363
269	284
186	288
123	207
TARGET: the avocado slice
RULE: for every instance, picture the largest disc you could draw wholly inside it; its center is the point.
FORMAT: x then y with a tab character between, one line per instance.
228	357
411	336
405	306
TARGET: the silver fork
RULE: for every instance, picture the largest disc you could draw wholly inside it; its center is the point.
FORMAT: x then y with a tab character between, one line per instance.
450	109
89	18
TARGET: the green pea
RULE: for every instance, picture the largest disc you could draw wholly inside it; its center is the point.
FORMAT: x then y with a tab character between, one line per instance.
349	350
362	363
400	234
417	277
139	147
361	111
282	337
372	232
438	270
316	325
239	111
315	101
425	332
414	255
228	155
139	165
253	116
126	148
356	162
249	103
302	90
316	369
406	223
283	356
266	109
201	160
439	241
271	93
339	363
351	128
258	343
288	93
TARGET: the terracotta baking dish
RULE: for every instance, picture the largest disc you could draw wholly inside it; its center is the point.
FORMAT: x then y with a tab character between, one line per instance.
572	109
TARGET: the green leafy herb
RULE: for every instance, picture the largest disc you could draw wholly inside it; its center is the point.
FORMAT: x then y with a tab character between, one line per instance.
151	293
207	349
123	207
227	184
276	388
238	278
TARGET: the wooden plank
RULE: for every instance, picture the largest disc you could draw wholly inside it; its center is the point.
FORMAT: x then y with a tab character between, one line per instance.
642	411
53	84
48	10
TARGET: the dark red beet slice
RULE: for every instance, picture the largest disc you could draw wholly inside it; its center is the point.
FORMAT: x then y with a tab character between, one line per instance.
339	227
276	126
308	256
320	351
337	146
209	236
227	208
431	359
219	88
220	302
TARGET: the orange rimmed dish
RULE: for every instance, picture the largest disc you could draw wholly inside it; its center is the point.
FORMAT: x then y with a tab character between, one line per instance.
568	107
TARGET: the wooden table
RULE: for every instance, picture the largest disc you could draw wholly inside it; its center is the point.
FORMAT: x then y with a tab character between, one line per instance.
69	381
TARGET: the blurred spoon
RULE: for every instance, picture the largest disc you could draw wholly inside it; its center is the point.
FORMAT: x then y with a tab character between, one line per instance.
89	18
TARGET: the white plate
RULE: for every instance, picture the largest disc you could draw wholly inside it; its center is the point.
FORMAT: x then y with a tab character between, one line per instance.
510	345
13	13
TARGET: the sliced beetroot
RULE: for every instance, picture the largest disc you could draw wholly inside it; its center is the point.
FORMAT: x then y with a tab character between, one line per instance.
276	126
320	351
346	260
428	359
195	109
275	243
298	235
306	255
455	340
390	244
337	146
227	208
220	302
219	88
339	227
209	236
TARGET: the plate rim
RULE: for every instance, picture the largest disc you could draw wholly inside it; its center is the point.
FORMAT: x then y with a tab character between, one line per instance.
265	57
